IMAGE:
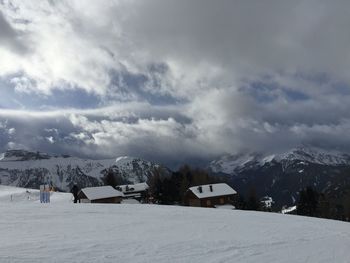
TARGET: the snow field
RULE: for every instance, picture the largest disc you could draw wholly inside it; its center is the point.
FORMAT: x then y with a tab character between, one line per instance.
65	232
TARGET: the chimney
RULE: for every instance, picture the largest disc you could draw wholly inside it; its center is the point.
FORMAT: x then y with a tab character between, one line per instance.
211	188
200	189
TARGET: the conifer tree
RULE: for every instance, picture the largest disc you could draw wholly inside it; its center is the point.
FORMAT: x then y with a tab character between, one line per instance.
253	202
308	202
185	184
110	178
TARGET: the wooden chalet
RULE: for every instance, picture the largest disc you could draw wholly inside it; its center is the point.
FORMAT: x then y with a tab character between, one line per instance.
100	194
135	191
210	195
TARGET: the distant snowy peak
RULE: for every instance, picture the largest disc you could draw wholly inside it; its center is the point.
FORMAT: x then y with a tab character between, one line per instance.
137	169
229	163
232	163
315	155
127	160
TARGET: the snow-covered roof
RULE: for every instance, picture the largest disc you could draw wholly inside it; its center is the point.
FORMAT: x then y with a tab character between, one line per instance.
133	187
217	190
100	192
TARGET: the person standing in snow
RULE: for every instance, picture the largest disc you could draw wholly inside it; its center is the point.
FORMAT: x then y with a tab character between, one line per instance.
74	191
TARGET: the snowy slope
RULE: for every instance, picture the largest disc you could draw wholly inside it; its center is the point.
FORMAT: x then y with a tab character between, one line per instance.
62	232
28	169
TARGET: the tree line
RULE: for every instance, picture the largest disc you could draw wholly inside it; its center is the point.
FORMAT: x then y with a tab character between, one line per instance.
323	205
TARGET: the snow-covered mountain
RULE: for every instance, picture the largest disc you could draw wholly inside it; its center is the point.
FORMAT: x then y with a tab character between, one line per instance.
231	164
283	175
30	169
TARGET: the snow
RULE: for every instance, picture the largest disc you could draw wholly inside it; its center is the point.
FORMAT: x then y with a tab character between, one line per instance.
293	199
122	158
100	192
53	165
228	163
218	190
289	209
15	195
315	155
268	159
232	163
59	169
65	232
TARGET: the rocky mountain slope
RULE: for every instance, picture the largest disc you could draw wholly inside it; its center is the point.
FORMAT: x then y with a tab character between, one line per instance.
30	169
282	176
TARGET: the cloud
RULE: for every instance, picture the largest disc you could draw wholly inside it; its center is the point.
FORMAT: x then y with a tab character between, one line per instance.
156	133
174	80
219	123
10	37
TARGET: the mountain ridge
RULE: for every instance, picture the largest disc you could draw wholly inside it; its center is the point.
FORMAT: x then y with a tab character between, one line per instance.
30	169
230	163
282	176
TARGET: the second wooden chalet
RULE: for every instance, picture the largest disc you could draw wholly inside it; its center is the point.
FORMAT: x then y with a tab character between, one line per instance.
210	195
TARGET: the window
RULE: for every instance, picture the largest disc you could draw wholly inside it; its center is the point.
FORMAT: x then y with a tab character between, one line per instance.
208	203
222	200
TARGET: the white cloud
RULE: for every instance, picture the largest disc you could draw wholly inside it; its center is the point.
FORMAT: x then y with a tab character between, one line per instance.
11	131
195	78
78	44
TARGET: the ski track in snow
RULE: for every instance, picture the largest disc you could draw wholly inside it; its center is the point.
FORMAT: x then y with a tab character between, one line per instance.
66	232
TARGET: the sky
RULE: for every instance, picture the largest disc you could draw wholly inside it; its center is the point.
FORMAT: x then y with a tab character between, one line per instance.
173	81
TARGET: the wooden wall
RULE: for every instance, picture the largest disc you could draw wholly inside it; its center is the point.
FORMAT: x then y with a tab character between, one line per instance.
111	200
192	200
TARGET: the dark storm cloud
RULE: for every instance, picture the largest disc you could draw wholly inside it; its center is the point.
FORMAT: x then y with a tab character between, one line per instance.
154	133
246	35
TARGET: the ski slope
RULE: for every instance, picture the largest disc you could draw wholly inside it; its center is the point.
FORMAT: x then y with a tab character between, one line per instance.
10	194
66	232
